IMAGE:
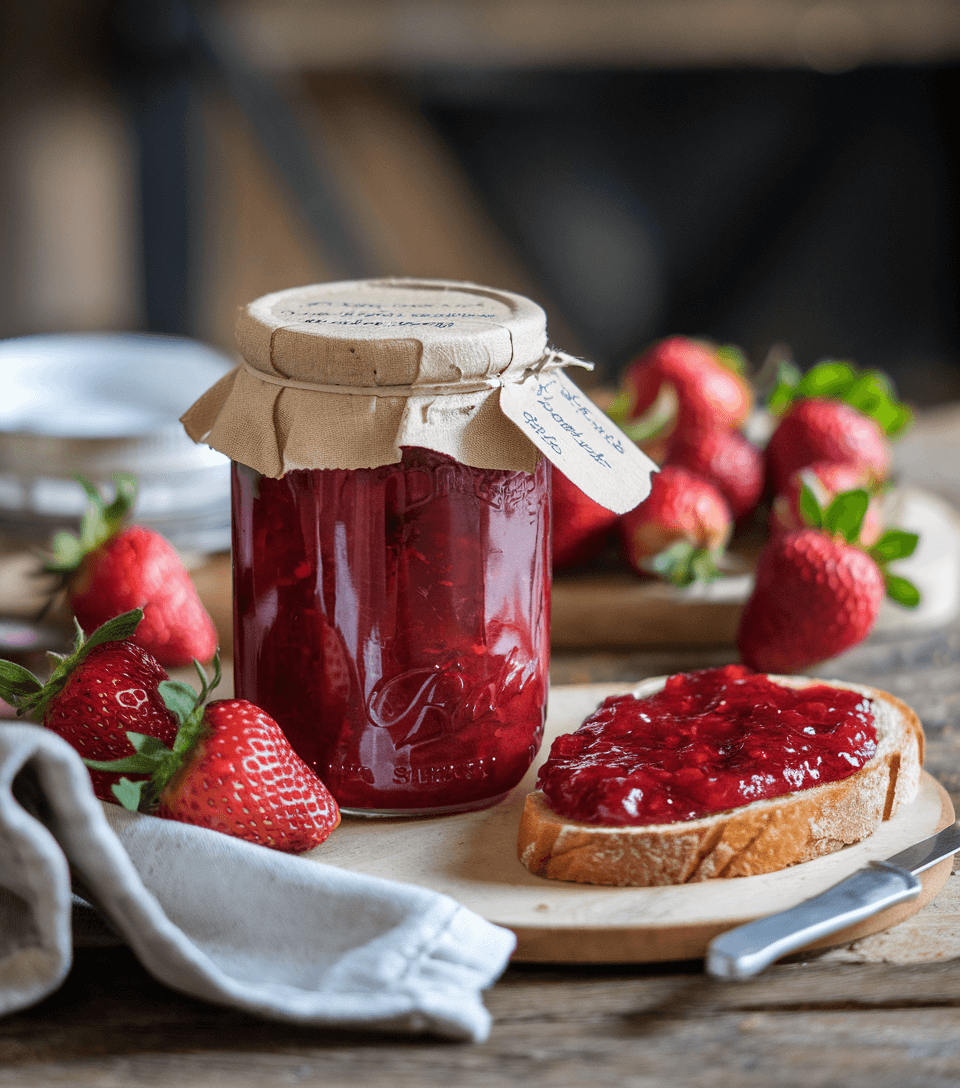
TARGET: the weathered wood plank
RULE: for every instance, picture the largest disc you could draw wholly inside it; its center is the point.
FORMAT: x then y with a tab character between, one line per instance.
873	1026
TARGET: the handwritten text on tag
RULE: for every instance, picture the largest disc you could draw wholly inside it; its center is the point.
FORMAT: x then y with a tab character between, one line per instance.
577	437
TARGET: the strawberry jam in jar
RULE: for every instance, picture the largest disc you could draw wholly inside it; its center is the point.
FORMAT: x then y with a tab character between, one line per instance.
391	533
394	621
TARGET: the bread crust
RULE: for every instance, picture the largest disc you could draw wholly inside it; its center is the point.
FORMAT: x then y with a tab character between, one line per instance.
760	837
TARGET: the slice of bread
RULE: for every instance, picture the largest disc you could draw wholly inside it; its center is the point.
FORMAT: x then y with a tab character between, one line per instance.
760	837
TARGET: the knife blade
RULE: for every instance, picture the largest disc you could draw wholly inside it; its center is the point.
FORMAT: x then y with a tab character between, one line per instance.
743	952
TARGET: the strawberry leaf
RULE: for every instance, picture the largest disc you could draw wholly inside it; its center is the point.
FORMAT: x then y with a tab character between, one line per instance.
654	422
129	794
830	378
114	630
788	377
187	705
893	418
207	686
135	764
731	357
16	683
151	757
180	699
894	544
117	512
901	590
810	508
683	563
145	745
870	392
100	522
845	514
67	552
703	565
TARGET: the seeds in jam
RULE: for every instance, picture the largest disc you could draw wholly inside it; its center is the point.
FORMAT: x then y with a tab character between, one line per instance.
710	740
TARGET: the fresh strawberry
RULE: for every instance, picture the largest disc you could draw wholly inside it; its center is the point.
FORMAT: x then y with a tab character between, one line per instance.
729	461
709	391
826	479
230	769
581	527
112	569
819	429
817	593
107	686
679	530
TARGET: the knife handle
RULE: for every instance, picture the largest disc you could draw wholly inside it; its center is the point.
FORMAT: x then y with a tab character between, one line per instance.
742	952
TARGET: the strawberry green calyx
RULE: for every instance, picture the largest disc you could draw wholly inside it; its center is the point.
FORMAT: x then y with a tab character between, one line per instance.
101	520
844	517
733	358
20	688
869	391
896	544
152	756
684	563
656	421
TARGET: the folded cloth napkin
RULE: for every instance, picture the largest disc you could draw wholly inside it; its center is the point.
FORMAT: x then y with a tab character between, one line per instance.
220	919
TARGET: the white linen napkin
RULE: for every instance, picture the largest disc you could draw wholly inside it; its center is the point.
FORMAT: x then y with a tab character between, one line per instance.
222	919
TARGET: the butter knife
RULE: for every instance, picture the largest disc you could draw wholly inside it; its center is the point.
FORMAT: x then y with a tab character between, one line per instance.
743	952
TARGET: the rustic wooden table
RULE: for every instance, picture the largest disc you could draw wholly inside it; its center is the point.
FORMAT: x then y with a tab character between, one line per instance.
882	1015
822	1019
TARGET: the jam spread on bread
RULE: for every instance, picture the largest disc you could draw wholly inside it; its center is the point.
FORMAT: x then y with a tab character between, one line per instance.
709	741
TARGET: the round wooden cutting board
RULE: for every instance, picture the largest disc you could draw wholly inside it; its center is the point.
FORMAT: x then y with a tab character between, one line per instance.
473	858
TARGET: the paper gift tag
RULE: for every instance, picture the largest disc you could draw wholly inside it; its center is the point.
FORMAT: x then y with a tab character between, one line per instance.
577	437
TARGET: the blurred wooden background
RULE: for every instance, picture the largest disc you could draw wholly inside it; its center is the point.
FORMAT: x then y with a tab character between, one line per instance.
73	254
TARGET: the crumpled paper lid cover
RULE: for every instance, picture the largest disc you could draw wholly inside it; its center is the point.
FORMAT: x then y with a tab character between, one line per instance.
370	334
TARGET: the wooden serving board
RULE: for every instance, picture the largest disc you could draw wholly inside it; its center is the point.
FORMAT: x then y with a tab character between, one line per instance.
473	858
613	608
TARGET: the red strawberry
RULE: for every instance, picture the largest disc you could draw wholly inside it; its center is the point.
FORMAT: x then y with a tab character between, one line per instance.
818	429
728	460
680	528
232	770
826	479
709	393
817	593
581	527
106	687
114	569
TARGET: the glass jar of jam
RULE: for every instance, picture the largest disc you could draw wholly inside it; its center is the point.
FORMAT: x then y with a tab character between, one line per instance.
391	537
394	621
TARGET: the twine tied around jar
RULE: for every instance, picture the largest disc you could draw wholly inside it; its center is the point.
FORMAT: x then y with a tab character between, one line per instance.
552	360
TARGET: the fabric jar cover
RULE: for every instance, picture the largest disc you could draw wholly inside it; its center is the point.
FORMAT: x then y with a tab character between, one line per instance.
338	349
